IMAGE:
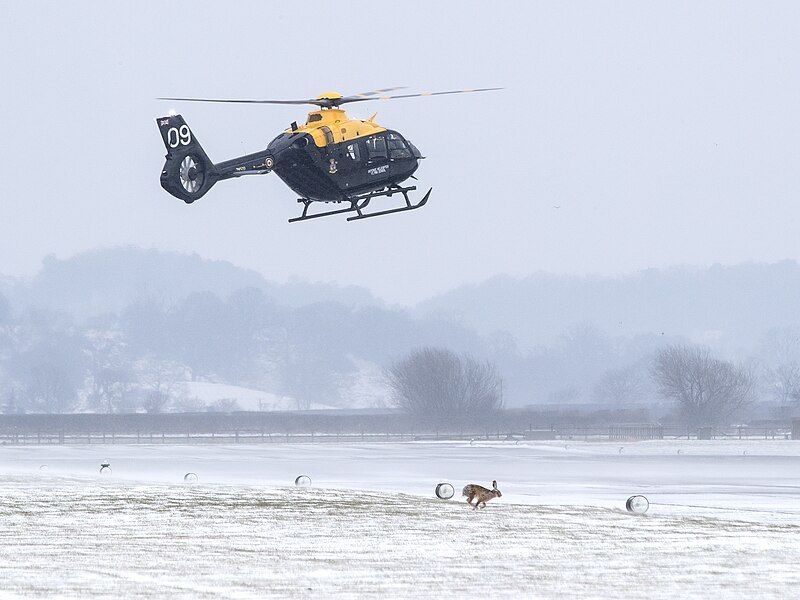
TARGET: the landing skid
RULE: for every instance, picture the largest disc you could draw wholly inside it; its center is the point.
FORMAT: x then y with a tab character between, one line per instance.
359	203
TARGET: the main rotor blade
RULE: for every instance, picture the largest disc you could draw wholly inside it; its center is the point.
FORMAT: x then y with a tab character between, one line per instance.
333	102
316	102
353	99
374	92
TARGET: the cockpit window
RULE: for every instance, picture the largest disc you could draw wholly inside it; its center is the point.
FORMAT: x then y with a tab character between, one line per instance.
314	117
397	146
376	147
352	152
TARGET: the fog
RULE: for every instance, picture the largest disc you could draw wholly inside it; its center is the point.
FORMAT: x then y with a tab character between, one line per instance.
633	186
130	330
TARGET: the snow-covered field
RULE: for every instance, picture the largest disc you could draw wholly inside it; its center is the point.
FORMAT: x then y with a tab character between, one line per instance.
721	523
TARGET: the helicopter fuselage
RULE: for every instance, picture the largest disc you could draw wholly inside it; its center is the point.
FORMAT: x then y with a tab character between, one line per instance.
333	158
329	159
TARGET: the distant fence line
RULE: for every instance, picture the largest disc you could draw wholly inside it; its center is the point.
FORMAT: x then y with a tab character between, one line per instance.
268	428
332	422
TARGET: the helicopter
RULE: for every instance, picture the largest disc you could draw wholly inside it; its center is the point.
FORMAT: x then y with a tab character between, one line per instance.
329	159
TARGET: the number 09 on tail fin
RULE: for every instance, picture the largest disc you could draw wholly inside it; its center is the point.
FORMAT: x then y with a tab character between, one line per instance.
188	173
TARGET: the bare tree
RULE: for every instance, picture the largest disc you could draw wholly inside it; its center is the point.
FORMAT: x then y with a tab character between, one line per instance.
49	375
155	401
438	382
50	388
780	346
161	381
111	388
621	386
707	390
784	382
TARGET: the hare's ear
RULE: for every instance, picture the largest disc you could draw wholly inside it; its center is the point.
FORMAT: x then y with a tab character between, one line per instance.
494	484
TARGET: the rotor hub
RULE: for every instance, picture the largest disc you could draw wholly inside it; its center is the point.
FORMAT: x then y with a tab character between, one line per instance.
329	99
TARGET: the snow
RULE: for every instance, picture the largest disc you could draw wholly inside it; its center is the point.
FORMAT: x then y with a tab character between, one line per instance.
207	393
720	522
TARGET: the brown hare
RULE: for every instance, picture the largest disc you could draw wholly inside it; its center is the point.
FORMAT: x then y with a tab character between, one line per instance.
480	494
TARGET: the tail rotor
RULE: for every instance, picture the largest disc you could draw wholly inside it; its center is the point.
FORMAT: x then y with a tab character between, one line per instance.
191	174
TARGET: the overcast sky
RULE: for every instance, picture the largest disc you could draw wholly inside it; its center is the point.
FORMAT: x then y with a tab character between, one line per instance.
667	134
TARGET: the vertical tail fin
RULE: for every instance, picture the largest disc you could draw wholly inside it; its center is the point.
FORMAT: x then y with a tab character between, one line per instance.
188	173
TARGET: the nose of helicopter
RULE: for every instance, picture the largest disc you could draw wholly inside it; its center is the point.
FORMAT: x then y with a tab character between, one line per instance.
414	150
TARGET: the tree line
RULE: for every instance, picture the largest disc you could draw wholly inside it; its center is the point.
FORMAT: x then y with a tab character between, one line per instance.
706	390
140	357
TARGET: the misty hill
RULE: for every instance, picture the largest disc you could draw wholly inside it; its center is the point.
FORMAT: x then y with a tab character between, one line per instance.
108	280
131	329
728	307
128	329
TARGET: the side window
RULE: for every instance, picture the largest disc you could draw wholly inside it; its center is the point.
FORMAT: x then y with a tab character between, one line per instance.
376	147
397	146
351	151
326	131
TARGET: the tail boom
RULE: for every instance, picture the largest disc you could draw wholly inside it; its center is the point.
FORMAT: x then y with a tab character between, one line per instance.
188	173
